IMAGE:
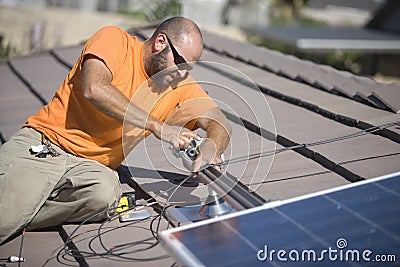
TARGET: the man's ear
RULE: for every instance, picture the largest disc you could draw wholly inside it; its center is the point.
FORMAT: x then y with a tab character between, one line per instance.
160	42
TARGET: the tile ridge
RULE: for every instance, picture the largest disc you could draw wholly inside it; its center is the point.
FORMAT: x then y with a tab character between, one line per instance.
325	80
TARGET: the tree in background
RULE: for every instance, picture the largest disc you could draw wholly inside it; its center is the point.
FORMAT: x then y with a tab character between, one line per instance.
286	11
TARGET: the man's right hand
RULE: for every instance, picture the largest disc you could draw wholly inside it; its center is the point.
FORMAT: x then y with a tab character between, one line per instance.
173	135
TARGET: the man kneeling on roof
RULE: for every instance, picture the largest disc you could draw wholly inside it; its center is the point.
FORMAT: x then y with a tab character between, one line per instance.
60	167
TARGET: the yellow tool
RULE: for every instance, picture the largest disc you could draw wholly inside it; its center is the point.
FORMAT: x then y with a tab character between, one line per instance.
127	201
123	204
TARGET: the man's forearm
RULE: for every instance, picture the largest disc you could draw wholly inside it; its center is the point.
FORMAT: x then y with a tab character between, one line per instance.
217	128
98	89
218	137
112	102
219	134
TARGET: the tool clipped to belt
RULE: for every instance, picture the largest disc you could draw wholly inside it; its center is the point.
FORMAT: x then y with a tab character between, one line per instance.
41	151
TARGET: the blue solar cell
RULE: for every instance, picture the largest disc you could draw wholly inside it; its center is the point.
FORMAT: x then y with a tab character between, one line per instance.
351	225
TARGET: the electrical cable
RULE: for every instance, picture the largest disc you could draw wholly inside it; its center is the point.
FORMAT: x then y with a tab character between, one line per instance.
60	248
169	199
304	145
111	252
70	236
154	233
13	259
19	258
71	252
20	248
114	248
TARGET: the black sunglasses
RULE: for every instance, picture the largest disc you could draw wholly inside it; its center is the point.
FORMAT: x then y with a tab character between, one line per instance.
178	59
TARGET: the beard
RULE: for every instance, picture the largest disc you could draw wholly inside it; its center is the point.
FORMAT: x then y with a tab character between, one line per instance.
157	63
156	66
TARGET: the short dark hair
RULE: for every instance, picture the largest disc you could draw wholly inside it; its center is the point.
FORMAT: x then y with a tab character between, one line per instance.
176	27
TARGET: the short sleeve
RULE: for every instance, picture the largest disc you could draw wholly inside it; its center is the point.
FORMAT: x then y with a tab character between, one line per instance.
109	44
186	113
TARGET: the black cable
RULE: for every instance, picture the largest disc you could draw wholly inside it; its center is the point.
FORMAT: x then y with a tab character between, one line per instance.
69	237
122	246
60	249
321	142
162	213
111	252
20	248
19	258
168	200
153	231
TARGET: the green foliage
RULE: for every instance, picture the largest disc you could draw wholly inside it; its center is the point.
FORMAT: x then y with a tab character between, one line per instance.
164	9
155	10
342	60
8	50
350	61
284	12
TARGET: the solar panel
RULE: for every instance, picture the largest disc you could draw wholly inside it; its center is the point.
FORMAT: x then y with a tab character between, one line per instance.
351	225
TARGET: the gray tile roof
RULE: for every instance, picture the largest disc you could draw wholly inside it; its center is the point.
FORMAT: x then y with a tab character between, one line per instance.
313	116
319	39
317	76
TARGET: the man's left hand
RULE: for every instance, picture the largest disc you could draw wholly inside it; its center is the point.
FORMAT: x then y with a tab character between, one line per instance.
208	155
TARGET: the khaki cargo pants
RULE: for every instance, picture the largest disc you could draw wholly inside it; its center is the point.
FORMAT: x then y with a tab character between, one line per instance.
43	192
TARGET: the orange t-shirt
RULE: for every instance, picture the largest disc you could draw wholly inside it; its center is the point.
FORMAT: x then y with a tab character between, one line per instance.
72	122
